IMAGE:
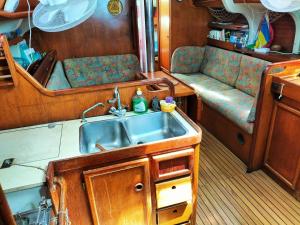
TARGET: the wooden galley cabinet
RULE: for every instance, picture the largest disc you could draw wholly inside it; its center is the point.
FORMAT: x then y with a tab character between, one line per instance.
282	157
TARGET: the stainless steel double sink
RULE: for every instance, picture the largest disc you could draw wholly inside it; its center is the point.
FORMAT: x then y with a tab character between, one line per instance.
129	131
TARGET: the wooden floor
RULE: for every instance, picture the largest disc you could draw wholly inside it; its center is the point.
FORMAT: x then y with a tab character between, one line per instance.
228	195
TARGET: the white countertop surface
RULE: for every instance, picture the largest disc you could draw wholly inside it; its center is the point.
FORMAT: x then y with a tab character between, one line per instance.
19	177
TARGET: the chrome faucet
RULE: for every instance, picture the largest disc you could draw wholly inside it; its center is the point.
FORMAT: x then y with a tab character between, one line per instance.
119	111
83	120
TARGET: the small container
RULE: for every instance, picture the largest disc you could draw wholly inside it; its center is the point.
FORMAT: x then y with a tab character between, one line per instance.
168	105
139	102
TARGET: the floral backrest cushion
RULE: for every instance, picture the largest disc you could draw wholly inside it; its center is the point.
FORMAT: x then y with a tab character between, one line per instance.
101	70
187	59
221	64
58	78
251	71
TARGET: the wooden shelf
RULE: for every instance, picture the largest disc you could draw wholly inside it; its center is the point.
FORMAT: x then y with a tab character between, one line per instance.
14	15
271	57
220	44
234	27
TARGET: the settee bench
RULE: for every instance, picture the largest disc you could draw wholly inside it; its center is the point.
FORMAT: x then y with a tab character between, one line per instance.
228	84
89	71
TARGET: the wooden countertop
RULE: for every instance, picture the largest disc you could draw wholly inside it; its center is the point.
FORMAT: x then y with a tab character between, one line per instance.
181	89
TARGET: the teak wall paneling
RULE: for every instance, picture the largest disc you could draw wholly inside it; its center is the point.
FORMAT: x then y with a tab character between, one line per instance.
284	32
28	103
188	25
102	34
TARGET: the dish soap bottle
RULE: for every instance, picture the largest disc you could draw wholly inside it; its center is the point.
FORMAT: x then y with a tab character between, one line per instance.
139	102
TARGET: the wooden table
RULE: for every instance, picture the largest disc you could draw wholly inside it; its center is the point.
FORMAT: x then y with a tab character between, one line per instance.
181	89
185	95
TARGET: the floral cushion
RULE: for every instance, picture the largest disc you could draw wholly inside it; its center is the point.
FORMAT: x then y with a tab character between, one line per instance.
252	115
101	70
187	59
234	105
191	78
221	64
251	71
58	78
203	85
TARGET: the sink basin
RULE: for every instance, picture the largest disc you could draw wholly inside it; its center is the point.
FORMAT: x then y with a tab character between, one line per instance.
129	131
153	127
109	134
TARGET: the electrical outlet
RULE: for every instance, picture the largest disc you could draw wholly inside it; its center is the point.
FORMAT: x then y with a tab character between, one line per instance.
7	163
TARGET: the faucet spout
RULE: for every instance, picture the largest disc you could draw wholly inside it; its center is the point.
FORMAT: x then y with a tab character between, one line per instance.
99	104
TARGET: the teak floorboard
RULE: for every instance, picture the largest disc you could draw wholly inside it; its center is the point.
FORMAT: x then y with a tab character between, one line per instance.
229	195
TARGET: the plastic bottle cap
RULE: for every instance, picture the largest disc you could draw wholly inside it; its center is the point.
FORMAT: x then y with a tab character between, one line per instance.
139	91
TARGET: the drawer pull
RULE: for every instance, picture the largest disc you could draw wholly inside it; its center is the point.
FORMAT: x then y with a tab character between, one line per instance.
173	187
139	187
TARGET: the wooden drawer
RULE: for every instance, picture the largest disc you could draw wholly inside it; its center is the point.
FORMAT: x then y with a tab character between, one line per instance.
173	164
176	214
173	192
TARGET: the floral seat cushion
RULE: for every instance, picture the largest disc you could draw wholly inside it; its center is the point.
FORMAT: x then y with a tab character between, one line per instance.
101	70
221	64
234	105
187	59
58	78
203	85
251	71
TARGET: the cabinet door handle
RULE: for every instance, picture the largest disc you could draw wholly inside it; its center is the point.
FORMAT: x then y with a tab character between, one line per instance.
139	187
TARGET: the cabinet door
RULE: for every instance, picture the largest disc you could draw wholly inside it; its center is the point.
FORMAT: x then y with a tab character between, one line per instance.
283	150
164	33
120	194
6	217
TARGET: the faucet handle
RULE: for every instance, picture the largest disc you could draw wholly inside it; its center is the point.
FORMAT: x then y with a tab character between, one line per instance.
125	107
112	101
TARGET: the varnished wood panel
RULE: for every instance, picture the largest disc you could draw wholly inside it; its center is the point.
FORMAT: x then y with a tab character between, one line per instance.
284	32
173	164
229	195
114	195
180	24
189	25
283	151
227	132
164	33
28	103
101	34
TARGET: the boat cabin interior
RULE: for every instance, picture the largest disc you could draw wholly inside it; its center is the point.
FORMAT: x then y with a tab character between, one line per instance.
149	112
